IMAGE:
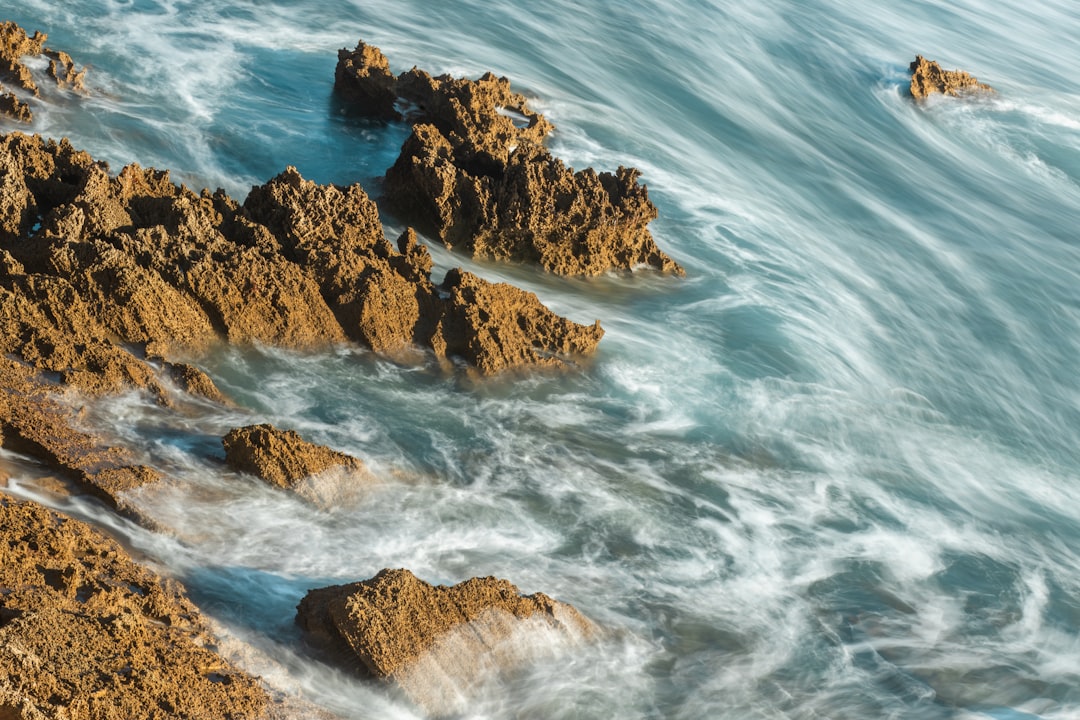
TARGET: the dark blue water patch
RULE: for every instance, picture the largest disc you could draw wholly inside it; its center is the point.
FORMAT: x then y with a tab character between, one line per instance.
257	600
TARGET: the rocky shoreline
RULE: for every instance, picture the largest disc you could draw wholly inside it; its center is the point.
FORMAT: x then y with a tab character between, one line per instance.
106	277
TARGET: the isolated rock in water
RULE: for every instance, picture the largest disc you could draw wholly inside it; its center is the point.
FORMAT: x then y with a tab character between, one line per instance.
281	457
13	107
927	78
436	641
475	174
87	634
363	79
15	44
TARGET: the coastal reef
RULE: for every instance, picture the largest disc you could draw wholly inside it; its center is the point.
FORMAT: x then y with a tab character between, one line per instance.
475	174
87	634
94	267
107	278
283	459
15	45
928	78
434	642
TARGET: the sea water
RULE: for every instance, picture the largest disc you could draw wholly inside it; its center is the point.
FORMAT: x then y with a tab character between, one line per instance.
834	472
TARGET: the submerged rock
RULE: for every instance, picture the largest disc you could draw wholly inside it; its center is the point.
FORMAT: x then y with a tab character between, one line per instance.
15	44
281	457
436	641
86	634
928	78
475	174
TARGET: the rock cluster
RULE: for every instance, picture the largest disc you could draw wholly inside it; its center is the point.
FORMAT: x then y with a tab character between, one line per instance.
86	634
281	457
475	174
15	44
104	277
433	641
928	78
138	258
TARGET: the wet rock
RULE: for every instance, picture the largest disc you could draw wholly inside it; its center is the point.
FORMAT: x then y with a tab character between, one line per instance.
363	79
86	634
491	326
436	641
34	422
928	78
13	107
474	174
15	44
281	457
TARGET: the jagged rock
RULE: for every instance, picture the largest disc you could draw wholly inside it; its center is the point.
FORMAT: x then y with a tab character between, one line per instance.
34	423
490	325
928	78
15	44
86	634
474	174
138	258
434	641
15	108
363	78
281	457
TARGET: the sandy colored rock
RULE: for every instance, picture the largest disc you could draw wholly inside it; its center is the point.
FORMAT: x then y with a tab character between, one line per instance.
35	423
928	78
86	634
281	457
15	44
363	79
433	641
13	107
490	326
475	174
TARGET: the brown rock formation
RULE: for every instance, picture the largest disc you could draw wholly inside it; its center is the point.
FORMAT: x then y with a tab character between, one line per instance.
86	634
927	78
363	78
33	422
432	641
474	174
281	457
13	107
138	259
15	44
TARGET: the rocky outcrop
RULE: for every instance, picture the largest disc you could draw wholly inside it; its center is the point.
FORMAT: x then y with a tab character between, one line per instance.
474	173
86	634
15	44
138	259
434	641
281	457
928	78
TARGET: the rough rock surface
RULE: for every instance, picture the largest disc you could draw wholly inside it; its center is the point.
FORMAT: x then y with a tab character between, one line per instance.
281	457
15	44
433	641
88	259
475	174
928	78
33	422
86	634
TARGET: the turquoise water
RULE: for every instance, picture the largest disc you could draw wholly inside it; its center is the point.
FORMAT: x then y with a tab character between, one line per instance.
834	472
